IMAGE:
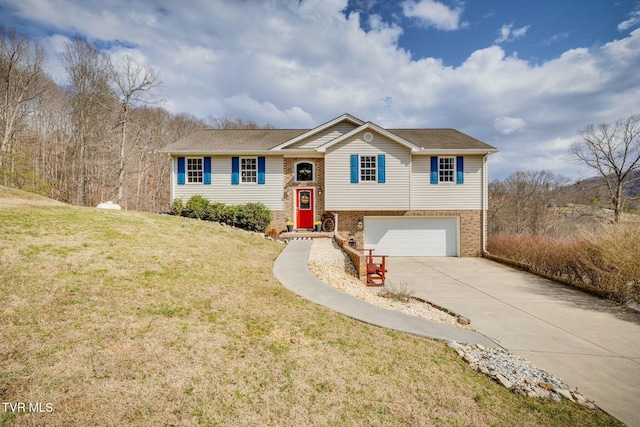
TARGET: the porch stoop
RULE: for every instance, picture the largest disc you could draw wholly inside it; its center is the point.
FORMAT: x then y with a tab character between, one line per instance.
305	234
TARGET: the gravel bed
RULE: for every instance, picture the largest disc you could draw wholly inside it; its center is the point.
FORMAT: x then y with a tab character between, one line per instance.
332	265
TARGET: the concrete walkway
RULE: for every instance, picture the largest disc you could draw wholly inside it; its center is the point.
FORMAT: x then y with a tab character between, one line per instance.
292	271
591	344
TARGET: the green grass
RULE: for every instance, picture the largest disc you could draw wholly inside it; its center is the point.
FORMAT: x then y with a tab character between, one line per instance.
126	318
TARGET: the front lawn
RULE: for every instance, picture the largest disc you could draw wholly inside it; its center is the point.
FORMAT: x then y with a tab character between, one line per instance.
127	318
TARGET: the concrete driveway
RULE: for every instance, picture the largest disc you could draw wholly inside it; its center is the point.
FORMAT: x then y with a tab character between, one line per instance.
589	343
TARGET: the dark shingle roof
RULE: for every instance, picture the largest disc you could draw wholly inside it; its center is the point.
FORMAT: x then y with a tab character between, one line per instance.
441	139
230	140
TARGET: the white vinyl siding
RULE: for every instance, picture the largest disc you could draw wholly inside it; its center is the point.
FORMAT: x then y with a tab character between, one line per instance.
446	196
221	189
321	138
341	194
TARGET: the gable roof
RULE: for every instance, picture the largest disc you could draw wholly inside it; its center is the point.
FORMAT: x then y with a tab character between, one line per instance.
318	129
225	141
375	128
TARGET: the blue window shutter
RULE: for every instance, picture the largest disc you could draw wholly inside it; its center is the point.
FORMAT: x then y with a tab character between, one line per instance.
354	169
235	170
261	170
207	171
434	169
459	170
181	174
381	169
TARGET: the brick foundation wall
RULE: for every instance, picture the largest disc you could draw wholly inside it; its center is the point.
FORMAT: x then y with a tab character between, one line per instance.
471	237
358	259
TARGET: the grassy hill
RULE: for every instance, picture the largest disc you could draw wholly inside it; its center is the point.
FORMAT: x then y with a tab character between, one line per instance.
128	318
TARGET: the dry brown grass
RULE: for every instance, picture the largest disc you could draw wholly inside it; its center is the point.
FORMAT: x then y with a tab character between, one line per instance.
606	260
125	318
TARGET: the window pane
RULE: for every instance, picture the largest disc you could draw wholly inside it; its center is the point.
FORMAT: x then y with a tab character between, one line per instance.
446	170
249	170
367	168
194	170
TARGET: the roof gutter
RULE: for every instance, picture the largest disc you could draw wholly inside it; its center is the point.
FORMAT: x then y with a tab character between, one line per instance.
452	151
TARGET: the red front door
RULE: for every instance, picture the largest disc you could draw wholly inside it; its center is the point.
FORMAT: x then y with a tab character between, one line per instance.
304	208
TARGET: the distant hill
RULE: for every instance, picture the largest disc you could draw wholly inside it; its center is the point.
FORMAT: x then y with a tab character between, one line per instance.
593	190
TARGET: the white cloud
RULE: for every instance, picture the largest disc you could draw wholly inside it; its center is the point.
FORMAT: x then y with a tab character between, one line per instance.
300	64
508	125
507	33
434	14
631	22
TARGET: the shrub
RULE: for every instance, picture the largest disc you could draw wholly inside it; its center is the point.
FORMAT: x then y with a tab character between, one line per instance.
255	217
228	215
397	292
216	211
177	206
607	260
197	207
250	216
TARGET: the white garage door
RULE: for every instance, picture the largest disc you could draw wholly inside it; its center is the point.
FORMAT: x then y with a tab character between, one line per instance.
411	236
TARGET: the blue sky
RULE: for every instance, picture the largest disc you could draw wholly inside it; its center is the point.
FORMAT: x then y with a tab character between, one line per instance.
523	76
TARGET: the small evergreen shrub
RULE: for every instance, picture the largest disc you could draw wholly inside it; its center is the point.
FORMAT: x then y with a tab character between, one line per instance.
177	207
197	207
216	211
228	215
255	217
250	216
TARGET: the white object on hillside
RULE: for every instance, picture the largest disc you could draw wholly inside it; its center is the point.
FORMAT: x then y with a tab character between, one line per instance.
109	205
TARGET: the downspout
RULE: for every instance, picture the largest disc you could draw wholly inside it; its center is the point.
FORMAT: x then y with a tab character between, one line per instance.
485	201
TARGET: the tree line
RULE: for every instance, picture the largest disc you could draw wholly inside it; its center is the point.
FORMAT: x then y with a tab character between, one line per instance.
94	137
537	202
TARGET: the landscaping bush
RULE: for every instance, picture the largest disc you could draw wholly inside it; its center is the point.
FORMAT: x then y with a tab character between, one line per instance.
176	207
197	207
254	217
250	216
607	261
216	211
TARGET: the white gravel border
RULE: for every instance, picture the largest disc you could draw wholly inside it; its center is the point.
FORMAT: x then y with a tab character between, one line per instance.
329	263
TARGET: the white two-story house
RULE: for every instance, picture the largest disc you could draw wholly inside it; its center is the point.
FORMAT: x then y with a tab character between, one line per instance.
403	192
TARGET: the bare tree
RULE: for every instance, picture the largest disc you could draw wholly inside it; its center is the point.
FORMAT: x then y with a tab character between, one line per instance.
20	74
134	84
230	122
91	106
613	151
520	203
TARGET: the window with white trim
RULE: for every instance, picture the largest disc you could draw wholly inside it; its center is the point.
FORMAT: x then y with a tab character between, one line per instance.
368	168
194	170
446	169
249	169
